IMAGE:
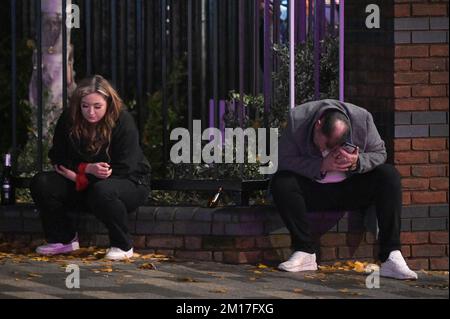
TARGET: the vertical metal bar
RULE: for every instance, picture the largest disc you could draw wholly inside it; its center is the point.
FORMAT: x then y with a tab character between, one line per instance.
174	44
88	38
164	78
241	61
190	68
139	66
332	17
341	49
267	61
233	45
32	15
23	9
276	20
38	20
316	49
215	70
222	45
148	43
274	60
114	42
302	20
203	60
123	47
127	45
323	19
212	112
13	83
296	15
100	58
292	24
64	53
310	16
222	123
256	18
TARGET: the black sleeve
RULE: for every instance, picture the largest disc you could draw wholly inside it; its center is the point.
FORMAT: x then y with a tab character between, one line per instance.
125	146
58	153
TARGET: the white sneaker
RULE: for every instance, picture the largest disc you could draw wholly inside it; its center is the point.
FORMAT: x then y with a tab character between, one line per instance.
299	261
115	253
395	267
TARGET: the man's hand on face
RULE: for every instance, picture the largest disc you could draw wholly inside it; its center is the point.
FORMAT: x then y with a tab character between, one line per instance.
343	157
334	163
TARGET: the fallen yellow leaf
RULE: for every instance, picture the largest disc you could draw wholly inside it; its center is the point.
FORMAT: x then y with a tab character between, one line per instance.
262	266
359	267
103	270
219	291
149	266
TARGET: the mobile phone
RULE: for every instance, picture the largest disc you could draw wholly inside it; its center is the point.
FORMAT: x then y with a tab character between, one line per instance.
349	147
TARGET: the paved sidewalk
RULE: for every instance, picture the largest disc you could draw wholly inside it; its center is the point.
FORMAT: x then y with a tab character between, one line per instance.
152	276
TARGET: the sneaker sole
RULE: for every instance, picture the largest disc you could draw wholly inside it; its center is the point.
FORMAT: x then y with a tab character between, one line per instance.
390	274
310	267
69	249
118	258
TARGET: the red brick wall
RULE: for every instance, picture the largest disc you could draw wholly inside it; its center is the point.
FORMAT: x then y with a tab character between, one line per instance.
421	106
421	85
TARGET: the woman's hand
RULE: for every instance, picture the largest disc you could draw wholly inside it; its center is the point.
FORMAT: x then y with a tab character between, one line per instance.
67	173
99	170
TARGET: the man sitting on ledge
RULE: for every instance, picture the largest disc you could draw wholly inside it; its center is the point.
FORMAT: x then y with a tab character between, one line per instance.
320	169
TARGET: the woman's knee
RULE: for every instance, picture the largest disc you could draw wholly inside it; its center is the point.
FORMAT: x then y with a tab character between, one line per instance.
101	191
42	182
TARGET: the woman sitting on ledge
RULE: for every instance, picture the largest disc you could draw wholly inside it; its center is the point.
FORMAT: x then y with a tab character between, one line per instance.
99	166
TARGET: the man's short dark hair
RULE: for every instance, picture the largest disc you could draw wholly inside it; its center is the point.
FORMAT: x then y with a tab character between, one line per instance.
329	119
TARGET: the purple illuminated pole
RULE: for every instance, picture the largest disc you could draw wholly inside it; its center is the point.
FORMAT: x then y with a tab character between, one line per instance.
222	123
292	18
302	20
241	61
341	50
212	114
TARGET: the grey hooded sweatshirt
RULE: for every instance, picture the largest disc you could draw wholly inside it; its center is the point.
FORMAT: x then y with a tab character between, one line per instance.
298	153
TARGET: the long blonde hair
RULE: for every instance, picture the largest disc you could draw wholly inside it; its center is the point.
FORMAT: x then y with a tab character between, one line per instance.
98	135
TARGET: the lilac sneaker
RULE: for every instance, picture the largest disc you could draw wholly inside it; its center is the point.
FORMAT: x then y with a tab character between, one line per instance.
59	248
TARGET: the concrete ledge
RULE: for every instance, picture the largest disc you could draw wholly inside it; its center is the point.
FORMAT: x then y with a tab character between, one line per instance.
247	234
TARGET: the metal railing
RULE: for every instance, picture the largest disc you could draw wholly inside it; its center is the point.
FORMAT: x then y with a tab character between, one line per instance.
136	44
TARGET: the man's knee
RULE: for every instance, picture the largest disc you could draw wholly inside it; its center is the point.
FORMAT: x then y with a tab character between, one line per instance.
388	174
282	181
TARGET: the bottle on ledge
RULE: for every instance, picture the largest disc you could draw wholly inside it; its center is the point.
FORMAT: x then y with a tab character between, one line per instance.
215	200
7	192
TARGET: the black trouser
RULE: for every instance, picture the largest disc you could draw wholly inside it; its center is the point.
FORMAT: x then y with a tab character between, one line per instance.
294	195
109	200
